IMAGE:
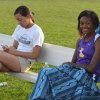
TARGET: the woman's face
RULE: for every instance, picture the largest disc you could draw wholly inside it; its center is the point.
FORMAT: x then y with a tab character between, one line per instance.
23	21
86	26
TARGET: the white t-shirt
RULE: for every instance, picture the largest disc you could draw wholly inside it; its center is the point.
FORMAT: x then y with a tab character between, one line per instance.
28	38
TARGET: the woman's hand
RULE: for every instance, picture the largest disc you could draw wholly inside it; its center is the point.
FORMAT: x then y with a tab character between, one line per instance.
5	48
66	63
11	50
70	63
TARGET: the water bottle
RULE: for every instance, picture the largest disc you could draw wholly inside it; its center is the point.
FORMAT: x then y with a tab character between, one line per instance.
3	84
46	64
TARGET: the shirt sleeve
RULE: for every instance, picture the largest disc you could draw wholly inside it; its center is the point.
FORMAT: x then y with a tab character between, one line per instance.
15	35
39	39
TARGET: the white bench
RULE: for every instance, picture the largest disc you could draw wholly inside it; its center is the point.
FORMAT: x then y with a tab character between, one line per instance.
52	54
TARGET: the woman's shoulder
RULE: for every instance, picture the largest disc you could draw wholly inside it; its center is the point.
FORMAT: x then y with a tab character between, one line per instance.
80	39
97	36
37	28
97	41
18	27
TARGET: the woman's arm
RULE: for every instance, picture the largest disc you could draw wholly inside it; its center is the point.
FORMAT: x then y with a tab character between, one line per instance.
15	44
96	57
74	59
6	48
32	55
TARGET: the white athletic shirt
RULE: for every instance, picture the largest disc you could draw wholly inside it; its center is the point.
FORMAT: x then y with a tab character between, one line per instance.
28	38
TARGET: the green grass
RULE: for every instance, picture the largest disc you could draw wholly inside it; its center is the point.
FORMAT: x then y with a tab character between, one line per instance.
57	18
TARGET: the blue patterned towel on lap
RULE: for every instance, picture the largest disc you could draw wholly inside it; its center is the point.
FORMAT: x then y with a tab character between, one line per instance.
65	82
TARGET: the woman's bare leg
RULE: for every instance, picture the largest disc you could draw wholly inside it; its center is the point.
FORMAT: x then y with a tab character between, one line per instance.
10	62
4	69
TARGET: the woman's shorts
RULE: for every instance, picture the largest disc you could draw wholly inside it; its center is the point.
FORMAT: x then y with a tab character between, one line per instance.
24	63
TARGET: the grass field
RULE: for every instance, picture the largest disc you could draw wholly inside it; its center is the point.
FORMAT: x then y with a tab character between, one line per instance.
57	18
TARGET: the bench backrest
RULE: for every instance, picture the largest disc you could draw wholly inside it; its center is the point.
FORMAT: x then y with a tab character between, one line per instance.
55	55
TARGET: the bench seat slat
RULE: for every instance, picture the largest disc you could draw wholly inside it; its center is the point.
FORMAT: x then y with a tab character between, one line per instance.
28	76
